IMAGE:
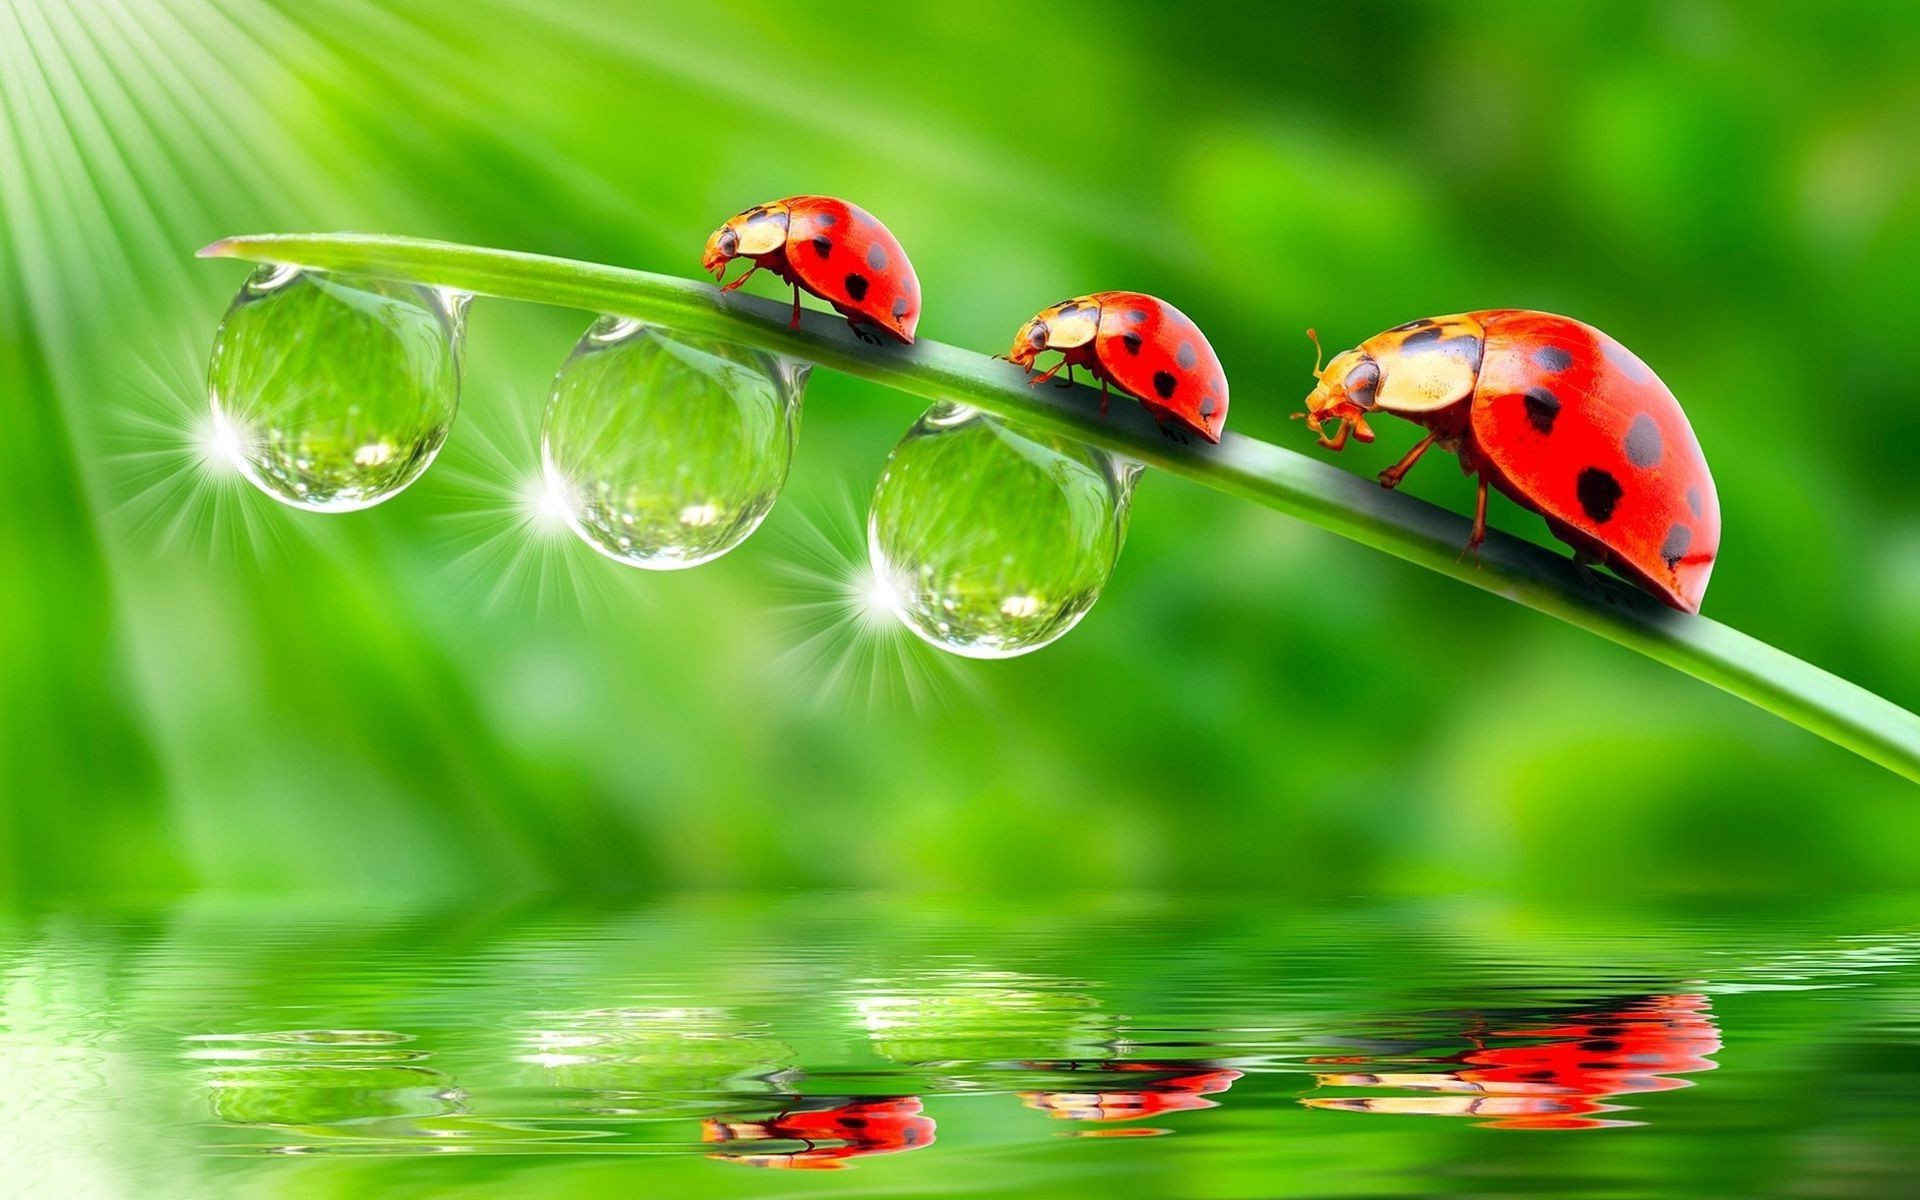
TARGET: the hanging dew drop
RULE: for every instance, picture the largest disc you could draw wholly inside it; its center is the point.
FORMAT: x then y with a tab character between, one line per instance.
666	451
333	392
989	541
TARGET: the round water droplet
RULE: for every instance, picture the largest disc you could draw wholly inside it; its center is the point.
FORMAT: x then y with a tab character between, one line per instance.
666	450
990	541
334	392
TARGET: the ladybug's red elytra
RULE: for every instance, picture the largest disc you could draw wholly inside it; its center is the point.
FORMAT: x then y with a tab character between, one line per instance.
834	250
1561	1076
1140	344
830	1130
1558	416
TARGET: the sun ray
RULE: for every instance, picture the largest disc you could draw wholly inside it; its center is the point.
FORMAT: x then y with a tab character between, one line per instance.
174	481
513	547
848	645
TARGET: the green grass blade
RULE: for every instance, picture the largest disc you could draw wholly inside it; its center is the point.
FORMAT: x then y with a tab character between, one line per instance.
1308	488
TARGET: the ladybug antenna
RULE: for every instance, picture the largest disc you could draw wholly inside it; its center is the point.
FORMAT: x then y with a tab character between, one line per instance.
1318	352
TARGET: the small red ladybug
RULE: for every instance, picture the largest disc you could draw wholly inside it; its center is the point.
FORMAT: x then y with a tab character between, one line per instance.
835	250
1558	416
1142	345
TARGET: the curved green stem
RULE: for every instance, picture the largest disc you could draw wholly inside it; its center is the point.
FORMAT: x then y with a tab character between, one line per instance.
1303	487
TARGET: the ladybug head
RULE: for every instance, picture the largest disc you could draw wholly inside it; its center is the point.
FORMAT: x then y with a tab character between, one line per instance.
759	230
1347	391
1062	326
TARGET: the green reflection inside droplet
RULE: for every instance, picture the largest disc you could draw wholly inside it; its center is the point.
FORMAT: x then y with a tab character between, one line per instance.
668	450
333	393
991	541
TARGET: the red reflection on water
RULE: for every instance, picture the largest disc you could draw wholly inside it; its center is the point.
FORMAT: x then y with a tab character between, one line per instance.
830	1129
1168	1087
1554	1077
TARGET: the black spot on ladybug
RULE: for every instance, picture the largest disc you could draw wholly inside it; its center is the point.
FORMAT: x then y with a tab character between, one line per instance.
1600	1046
854	1122
1693	500
1643	442
1599	492
1675	547
877	257
863	217
1186	357
900	308
1131	341
1136	315
1164	383
1422	323
1429	335
823	245
1604	1031
910	1136
1466	346
827	219
1552	358
1542	408
1540	1076
1626	361
857	286
1209	406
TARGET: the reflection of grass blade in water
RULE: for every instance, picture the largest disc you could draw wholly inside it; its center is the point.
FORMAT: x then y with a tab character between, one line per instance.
1292	483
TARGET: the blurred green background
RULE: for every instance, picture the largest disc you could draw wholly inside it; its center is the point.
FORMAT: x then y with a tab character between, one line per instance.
199	688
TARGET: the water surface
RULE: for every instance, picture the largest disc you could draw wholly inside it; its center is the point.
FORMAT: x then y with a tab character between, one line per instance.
868	1045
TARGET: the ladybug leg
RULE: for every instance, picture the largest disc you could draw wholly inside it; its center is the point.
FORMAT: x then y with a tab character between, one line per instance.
1104	398
1170	430
735	285
1037	380
861	331
1339	440
1068	382
1392	476
794	323
1479	533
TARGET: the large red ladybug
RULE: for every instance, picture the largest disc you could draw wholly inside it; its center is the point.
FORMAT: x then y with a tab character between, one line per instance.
1557	1077
1558	416
835	250
1142	345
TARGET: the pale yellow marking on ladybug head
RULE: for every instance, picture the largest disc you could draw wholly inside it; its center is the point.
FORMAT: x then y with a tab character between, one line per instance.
759	230
1063	326
1431	366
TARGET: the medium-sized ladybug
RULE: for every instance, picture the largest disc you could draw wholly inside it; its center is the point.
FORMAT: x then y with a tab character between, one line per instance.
1558	416
1167	1087
1140	344
830	1130
834	250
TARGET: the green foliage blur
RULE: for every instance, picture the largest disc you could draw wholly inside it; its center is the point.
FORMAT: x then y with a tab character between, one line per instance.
201	688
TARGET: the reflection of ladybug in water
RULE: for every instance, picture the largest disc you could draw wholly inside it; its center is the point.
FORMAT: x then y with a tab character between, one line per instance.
1169	1087
832	1128
1555	1083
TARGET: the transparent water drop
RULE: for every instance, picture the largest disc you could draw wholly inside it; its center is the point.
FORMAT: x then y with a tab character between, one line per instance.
990	541
334	392
665	450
